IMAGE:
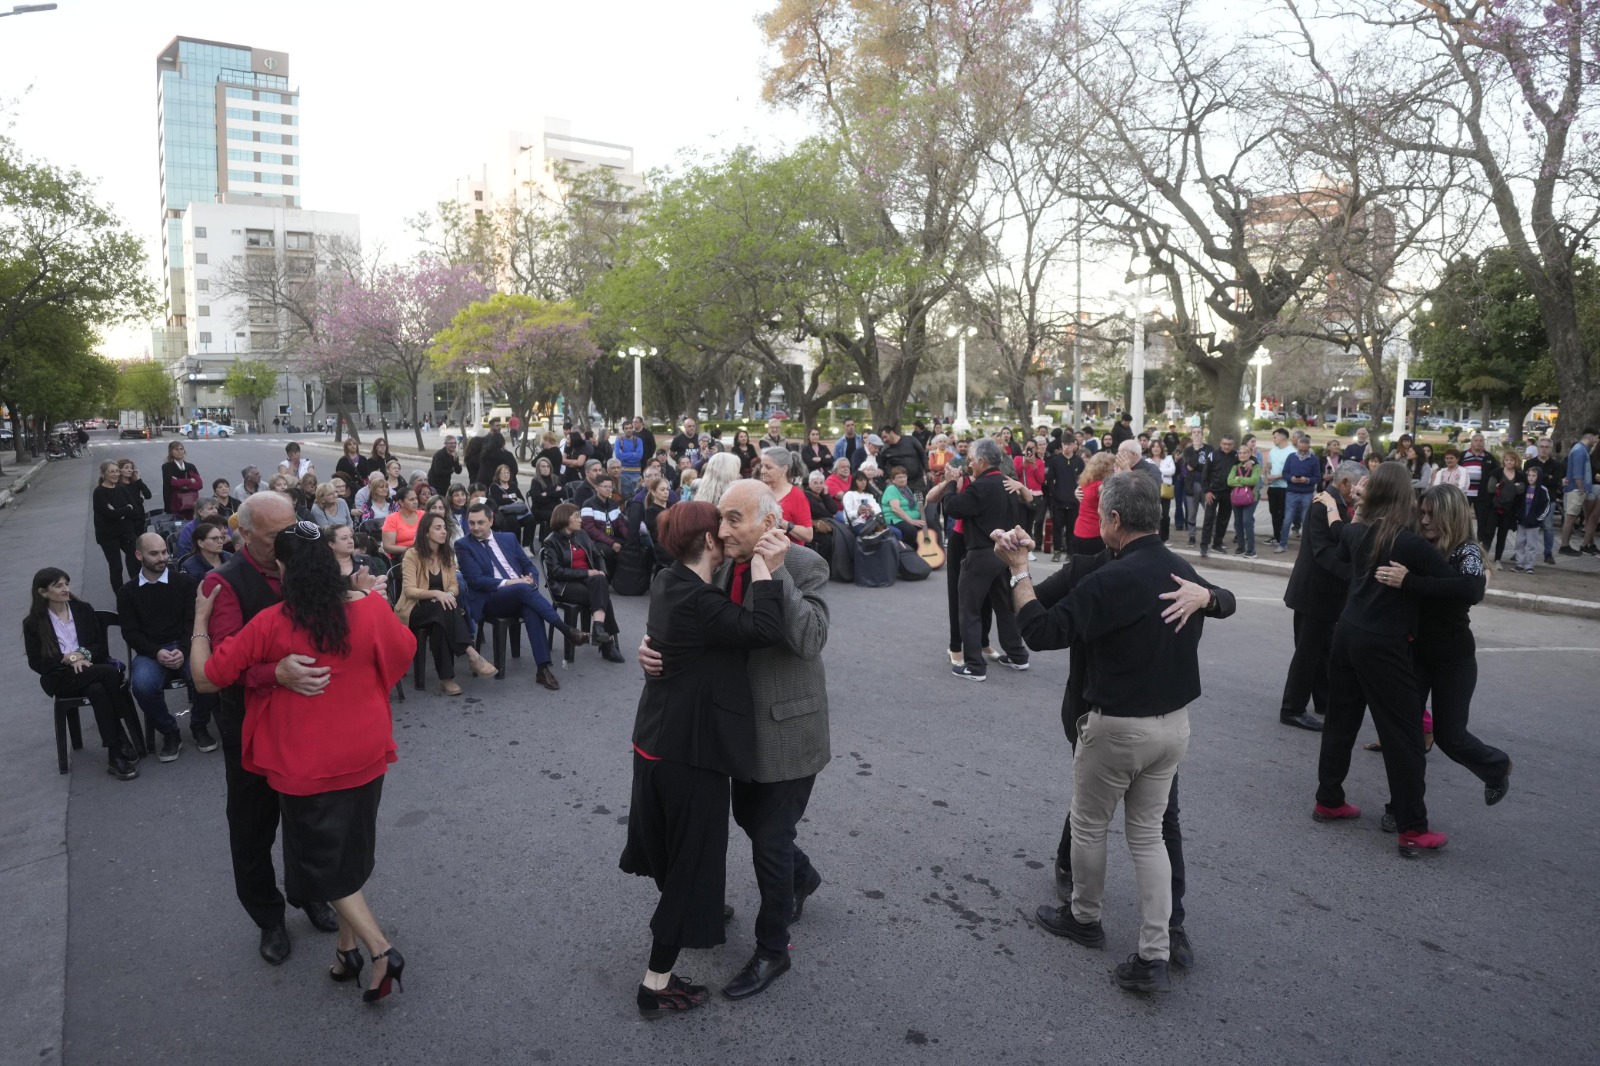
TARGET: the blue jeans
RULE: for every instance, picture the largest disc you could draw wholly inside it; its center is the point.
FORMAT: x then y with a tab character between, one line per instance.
630	483
1244	527
148	679
1179	498
1296	505
1550	532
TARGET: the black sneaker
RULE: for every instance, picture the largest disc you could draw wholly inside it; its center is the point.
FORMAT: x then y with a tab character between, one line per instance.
678	996
203	740
1589	549
120	768
1179	949
1549	560
171	744
1387	822
970	675
1061	922
1143	975
1495	792
1006	660
1564	550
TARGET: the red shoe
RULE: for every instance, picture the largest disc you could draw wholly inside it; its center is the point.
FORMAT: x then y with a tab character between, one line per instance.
1335	814
1413	841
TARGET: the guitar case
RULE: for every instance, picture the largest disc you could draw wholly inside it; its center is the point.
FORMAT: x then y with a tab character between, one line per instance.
876	566
912	566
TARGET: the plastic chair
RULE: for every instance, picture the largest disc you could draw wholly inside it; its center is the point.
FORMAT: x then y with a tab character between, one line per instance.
68	725
506	628
577	619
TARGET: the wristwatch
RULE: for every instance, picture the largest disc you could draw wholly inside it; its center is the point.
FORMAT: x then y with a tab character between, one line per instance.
1018	578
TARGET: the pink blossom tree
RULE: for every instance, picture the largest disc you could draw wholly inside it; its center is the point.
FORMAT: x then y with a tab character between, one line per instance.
384	326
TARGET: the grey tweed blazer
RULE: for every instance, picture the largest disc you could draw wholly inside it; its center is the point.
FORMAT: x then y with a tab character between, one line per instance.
788	681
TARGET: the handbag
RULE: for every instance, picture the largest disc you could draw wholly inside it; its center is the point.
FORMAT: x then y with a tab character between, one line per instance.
515	509
1242	496
873	533
1166	491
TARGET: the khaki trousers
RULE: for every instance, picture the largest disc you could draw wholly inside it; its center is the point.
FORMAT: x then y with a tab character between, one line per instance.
1132	761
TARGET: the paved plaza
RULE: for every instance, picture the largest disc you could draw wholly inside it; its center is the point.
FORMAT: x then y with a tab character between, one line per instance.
934	830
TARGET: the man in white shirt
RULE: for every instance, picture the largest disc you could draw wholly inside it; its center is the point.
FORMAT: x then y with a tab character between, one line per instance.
1277	487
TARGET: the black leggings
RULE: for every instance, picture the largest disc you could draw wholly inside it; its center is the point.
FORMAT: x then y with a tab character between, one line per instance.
1451	685
594	594
102	685
117	557
448	636
663	957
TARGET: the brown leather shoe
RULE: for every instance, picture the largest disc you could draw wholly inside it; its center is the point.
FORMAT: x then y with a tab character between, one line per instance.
547	678
449	688
578	638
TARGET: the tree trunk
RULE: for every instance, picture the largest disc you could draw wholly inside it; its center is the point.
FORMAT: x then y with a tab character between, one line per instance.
1576	385
1227	410
1485	412
416	423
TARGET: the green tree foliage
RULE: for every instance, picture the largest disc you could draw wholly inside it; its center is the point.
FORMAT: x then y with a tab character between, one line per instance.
1484	339
144	386
250	382
533	349
51	371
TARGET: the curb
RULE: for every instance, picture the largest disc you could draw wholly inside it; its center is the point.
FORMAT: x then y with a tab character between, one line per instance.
1516	601
21	483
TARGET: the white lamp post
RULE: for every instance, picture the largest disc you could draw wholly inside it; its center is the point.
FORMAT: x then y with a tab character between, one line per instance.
477	373
1261	360
638	376
961	424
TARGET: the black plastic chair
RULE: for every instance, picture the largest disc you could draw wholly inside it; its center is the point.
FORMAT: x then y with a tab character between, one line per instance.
507	629
577	619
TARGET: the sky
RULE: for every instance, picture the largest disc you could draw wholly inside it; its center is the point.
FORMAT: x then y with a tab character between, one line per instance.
398	100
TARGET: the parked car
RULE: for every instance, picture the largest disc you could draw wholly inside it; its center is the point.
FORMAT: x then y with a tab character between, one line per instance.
204	428
1360	416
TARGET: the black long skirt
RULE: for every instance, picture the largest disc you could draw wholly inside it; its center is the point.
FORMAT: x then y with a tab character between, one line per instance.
330	841
678	835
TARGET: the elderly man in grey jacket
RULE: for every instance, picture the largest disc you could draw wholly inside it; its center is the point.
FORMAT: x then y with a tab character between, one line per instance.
791	712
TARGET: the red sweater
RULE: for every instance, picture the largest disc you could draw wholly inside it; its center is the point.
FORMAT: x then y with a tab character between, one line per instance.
343	738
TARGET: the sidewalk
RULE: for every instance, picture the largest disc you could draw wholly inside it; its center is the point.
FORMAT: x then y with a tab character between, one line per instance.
1570	587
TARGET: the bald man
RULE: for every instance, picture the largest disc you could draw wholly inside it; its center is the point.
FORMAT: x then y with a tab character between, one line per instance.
245	585
790	689
156	611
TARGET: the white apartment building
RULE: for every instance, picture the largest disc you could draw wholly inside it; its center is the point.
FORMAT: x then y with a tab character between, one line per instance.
219	242
524	166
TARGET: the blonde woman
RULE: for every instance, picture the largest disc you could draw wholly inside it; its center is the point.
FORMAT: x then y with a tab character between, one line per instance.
719	471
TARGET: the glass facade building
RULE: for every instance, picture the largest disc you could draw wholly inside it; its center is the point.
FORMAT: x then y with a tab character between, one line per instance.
217	106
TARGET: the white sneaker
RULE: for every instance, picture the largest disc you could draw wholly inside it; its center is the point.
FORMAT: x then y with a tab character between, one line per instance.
1032	558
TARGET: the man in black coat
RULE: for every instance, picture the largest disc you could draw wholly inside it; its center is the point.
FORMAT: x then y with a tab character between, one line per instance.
1122	430
446	465
1218	509
1316	594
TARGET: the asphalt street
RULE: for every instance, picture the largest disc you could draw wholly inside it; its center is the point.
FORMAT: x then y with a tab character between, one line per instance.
934	830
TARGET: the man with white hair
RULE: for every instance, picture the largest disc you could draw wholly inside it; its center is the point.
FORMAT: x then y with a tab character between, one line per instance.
790	689
1130	456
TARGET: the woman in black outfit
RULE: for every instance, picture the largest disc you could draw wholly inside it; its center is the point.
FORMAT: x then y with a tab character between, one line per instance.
822	510
181	483
573	574
1445	655
694	730
352	464
493	457
114	510
379	459
138	492
749	458
816	454
544	493
1371	658
66	647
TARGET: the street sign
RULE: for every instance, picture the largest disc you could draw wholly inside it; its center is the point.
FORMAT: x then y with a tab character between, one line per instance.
1418	388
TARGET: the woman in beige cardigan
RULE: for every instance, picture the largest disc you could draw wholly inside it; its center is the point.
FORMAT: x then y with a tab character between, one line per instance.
429	598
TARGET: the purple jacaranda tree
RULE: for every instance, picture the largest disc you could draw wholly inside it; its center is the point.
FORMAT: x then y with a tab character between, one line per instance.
384	326
531	348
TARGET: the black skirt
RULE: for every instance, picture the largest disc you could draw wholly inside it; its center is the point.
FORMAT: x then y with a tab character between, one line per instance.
678	835
329	841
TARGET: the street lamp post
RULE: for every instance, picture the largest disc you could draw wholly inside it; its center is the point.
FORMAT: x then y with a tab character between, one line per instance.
638	376
961	425
477	373
1261	360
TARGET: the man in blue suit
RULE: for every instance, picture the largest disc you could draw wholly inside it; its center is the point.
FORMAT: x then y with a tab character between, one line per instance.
501	582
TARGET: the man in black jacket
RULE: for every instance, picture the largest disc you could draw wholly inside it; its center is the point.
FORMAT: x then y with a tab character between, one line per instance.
1061	470
446	465
1122	429
900	450
156	610
1141	673
1316	594
1197	455
1223	460
984	506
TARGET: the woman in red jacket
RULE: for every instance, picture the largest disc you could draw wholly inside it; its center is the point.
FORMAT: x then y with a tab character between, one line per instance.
1086	530
324	755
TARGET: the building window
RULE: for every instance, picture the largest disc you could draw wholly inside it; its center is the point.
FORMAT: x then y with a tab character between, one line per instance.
204	310
202	285
297	242
258	238
205	338
477	194
200	232
201	259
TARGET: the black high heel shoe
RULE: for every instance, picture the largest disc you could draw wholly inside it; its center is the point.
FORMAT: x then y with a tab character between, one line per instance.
350	959
397	965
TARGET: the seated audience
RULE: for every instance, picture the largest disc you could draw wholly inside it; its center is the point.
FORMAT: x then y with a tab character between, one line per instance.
572	573
429	599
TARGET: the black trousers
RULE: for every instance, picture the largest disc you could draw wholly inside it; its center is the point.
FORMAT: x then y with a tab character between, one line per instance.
593	593
1166	519
1275	498
1062	517
1035	520
1213	532
119	555
1451	686
1171	836
956	551
1502	526
1308	669
983	579
252	824
108	697
1483	508
768	814
446	632
1374	670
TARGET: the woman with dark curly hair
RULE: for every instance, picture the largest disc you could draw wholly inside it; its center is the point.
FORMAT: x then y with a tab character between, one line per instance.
325	755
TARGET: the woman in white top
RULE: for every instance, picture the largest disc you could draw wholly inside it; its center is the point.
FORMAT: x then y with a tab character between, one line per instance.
1169	470
860	505
1452	472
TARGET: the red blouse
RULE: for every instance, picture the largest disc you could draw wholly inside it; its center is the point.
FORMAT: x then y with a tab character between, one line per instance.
795	509
1088	522
343	738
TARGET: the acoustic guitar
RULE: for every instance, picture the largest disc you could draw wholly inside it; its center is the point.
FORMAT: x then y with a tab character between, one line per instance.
928	548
